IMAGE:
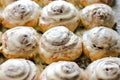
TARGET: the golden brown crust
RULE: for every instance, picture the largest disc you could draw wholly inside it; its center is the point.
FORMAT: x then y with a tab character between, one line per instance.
85	51
43	2
74	2
55	57
4	3
71	25
32	23
95	56
1	17
20	55
85	3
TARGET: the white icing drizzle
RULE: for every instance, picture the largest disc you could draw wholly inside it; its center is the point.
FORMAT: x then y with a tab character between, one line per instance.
17	69
105	69
21	11
102	39
62	70
20	40
98	15
59	40
58	11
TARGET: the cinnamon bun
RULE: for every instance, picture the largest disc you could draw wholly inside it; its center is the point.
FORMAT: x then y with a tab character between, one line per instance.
59	43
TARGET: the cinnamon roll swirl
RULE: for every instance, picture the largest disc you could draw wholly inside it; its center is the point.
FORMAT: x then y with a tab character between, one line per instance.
21	13
97	15
59	43
63	70
104	69
20	42
101	42
59	13
18	69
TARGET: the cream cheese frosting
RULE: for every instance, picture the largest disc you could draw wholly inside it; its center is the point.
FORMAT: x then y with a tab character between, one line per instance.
97	15
101	42
60	42
102	38
105	68
58	13
57	40
62	70
18	69
21	12
20	40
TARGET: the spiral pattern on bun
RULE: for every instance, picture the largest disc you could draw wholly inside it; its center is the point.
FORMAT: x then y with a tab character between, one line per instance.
59	43
20	41
63	70
97	15
18	69
21	13
104	69
59	13
101	42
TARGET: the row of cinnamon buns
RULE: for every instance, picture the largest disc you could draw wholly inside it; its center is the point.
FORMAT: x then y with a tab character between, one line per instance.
59	43
21	69
56	13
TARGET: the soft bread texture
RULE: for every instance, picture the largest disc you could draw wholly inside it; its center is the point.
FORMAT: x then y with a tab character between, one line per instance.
20	41
97	15
59	43
104	69
18	69
59	13
101	42
63	70
21	13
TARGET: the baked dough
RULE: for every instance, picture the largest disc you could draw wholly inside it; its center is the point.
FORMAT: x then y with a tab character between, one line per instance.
63	70
21	13
59	43
101	42
104	69
97	15
21	41
59	13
